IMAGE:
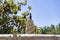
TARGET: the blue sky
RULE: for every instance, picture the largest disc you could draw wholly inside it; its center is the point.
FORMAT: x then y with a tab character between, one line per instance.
44	12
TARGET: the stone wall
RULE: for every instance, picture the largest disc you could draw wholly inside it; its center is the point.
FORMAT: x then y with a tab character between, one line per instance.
29	37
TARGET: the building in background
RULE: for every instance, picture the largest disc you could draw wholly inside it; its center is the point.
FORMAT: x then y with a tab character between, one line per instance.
29	25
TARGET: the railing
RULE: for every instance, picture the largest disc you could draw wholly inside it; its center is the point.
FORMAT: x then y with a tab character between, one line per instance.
29	37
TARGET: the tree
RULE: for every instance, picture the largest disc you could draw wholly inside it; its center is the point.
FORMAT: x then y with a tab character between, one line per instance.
44	30
51	30
8	18
58	28
37	30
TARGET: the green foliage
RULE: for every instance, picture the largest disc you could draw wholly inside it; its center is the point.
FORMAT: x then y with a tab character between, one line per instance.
50	29
29	7
0	0
37	31
8	18
58	28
